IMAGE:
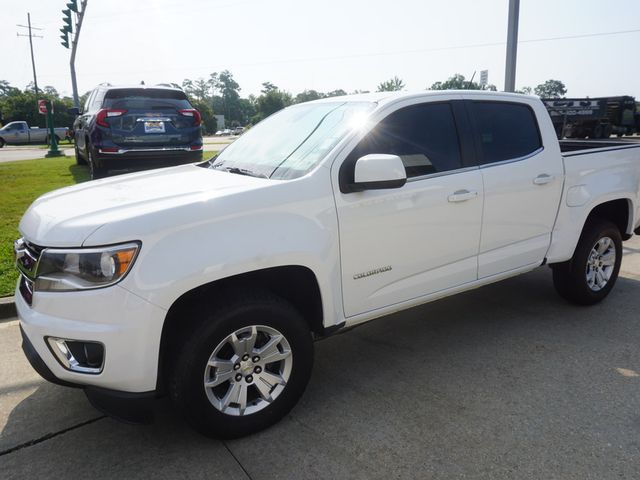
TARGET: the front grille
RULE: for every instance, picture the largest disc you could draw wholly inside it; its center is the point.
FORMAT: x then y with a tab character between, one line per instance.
27	256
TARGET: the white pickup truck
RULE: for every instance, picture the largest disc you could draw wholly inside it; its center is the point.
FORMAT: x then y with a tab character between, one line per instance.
209	281
19	133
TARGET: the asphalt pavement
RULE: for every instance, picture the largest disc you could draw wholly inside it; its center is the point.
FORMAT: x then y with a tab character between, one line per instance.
503	382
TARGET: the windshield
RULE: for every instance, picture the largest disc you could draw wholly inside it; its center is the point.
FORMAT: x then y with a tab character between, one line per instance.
291	142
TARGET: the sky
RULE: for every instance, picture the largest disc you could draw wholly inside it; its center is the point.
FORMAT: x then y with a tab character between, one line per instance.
328	44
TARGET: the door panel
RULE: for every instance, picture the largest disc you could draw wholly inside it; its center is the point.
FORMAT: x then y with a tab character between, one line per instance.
522	187
403	243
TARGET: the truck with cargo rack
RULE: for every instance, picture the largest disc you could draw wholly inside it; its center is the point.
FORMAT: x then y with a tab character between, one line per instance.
596	118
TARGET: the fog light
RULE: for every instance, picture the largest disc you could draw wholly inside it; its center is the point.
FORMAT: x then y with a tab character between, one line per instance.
77	355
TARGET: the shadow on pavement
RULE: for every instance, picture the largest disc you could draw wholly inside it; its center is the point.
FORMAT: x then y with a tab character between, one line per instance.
507	381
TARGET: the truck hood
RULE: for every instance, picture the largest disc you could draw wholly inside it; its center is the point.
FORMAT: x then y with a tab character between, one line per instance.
66	217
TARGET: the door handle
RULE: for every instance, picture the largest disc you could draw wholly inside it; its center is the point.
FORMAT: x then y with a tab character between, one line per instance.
462	195
543	179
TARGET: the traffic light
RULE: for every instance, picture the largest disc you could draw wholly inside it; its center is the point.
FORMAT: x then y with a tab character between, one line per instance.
65	40
67	19
73	6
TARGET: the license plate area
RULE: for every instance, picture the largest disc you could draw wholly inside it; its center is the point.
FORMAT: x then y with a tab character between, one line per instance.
154	126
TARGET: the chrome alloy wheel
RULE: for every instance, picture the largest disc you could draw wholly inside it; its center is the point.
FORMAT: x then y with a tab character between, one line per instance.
601	263
248	370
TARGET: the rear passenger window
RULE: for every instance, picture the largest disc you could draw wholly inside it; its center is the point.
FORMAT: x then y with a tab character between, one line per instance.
423	136
506	130
96	104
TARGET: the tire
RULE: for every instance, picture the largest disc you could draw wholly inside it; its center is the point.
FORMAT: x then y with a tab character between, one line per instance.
79	159
261	316
95	171
591	273
596	132
1	143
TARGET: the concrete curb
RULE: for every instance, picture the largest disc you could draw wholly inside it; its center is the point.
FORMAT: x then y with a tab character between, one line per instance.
7	308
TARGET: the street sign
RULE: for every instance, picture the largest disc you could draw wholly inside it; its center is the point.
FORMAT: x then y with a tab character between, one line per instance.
484	77
42	107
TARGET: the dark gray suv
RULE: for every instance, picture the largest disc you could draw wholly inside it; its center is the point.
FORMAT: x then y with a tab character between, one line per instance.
123	128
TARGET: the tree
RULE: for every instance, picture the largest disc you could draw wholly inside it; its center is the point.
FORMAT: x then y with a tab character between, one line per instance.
7	89
271	100
551	89
458	82
336	93
16	104
524	91
268	87
392	85
229	91
199	89
308	96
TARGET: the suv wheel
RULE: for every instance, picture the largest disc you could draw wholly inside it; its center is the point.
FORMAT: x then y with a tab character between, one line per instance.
243	367
79	159
592	272
95	171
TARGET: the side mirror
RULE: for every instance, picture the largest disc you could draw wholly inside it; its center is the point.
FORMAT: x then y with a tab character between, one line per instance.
378	171
73	111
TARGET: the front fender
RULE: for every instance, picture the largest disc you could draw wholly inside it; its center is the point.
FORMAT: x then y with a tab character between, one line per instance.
196	244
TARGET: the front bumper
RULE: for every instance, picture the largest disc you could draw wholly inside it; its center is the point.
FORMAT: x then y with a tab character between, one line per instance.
129	327
129	407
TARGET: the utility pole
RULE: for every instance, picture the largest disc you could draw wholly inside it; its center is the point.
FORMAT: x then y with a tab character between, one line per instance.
31	35
67	29
512	46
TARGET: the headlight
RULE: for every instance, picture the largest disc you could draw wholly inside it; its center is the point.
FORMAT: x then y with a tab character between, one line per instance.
83	268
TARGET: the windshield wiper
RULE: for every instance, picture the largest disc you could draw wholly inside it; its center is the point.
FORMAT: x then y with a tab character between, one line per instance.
244	171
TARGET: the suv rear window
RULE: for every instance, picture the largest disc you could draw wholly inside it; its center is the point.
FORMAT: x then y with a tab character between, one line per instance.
145	98
506	131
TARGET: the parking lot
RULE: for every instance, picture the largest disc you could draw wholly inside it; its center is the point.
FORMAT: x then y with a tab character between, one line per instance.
507	381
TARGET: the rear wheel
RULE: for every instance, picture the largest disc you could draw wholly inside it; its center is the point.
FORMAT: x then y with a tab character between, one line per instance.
79	159
592	272
95	171
243	367
1	143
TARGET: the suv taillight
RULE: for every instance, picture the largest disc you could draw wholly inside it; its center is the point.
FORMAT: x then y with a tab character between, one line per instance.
104	113
192	112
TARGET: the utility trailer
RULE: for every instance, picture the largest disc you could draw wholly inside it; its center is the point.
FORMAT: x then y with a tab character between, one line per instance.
595	118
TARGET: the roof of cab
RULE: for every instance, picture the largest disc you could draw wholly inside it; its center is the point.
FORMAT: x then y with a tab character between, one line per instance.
385	97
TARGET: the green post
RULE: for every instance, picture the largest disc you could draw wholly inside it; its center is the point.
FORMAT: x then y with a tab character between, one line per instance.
53	145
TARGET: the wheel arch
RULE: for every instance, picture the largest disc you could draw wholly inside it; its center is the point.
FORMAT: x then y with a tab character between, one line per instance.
570	226
294	283
618	211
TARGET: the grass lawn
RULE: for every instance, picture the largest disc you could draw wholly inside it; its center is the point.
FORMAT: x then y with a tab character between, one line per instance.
21	183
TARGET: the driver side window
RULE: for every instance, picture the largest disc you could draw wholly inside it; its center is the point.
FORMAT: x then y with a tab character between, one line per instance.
424	136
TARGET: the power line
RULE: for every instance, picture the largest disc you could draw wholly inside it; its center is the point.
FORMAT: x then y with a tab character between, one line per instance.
397	52
371	54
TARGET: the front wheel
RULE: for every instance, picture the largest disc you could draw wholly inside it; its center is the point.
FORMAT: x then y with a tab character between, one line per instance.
592	272
1	143
243	367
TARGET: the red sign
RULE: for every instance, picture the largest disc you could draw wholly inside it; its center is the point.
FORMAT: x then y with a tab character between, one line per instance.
42	107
